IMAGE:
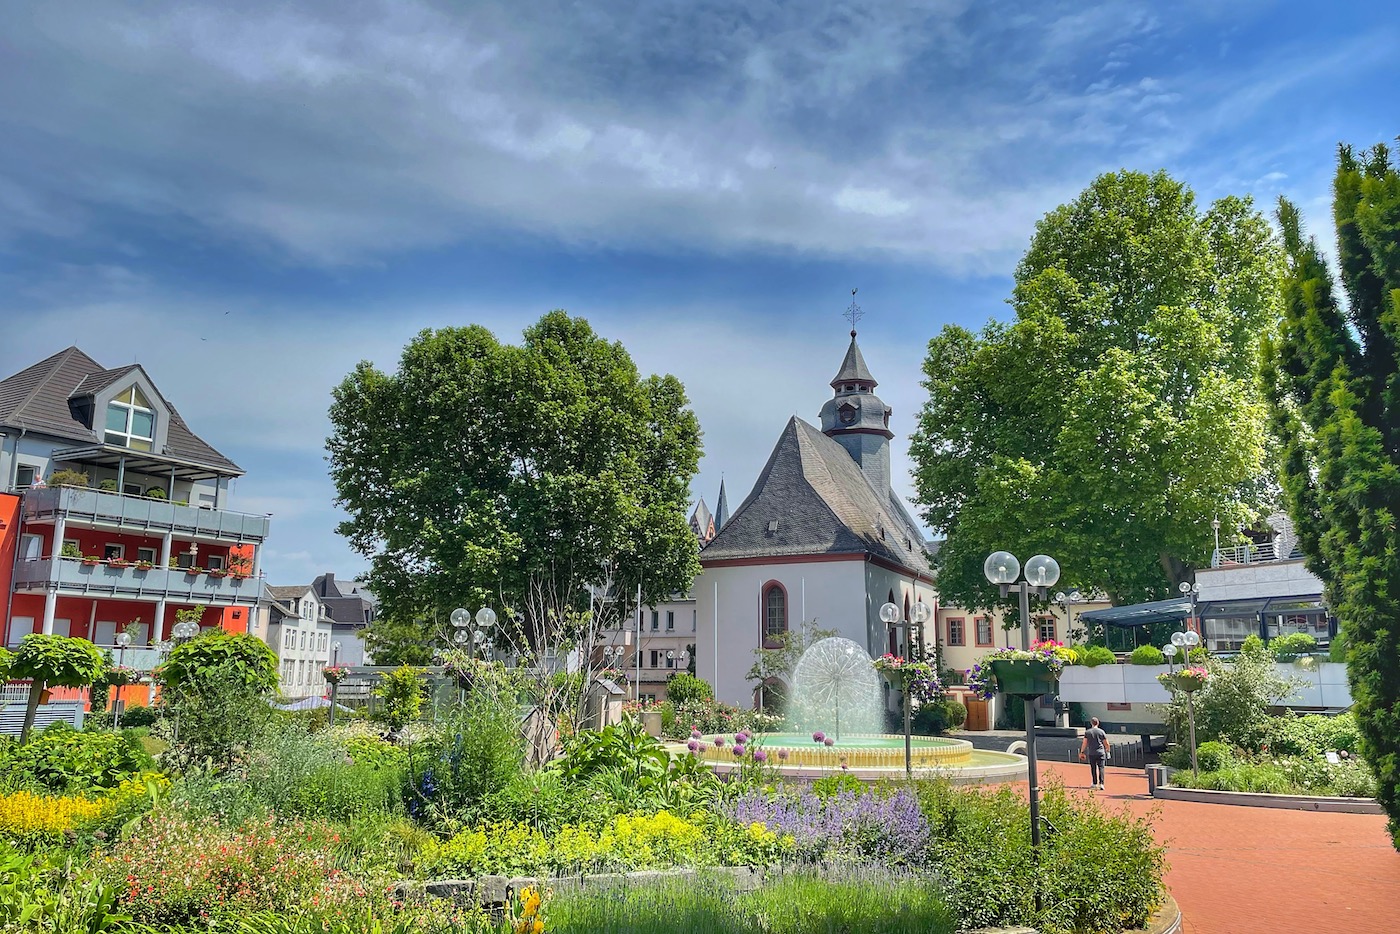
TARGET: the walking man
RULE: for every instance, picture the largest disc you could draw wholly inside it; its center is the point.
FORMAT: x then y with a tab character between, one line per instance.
1094	749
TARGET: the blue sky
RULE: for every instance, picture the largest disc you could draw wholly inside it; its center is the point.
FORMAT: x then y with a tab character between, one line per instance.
249	198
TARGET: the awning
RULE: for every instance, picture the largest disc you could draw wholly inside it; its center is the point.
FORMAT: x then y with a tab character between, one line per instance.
144	462
1141	614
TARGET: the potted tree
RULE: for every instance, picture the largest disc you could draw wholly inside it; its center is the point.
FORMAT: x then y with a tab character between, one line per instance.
53	661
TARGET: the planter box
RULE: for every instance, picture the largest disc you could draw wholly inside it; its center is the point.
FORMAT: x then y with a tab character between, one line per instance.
1024	679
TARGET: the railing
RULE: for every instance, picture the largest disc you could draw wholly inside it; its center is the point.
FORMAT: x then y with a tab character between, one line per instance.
1245	554
140	512
74	576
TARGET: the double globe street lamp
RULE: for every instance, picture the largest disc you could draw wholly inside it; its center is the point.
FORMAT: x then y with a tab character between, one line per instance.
1042	572
891	616
462	619
1184	642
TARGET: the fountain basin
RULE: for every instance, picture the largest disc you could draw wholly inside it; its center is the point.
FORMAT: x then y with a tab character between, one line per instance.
867	756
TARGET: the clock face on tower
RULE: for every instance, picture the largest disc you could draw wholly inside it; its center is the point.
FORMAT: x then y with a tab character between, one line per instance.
847	414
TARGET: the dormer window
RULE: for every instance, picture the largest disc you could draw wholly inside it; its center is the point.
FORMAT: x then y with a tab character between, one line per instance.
131	422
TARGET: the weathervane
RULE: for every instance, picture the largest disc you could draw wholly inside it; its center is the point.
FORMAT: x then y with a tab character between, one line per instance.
853	314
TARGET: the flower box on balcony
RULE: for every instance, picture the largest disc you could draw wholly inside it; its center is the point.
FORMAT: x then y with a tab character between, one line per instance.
144	565
217	572
91	561
193	571
118	563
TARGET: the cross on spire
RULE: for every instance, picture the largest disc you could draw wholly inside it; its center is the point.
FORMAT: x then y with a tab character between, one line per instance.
853	314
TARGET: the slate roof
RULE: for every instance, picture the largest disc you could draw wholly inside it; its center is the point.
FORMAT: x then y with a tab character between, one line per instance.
822	504
294	592
38	399
853	368
346	602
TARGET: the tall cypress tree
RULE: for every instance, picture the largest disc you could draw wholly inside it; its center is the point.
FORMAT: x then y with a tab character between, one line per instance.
1334	379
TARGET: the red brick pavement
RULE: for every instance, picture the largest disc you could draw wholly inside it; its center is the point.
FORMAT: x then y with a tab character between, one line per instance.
1241	870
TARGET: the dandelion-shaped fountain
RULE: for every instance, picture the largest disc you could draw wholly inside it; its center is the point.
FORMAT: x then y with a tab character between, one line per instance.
835	685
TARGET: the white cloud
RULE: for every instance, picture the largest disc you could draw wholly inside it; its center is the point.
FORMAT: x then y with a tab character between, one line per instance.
375	127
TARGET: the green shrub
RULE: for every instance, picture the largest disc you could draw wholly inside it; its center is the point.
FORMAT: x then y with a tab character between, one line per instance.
1292	646
402	691
682	688
1311	735
38	896
1147	655
1213	756
830	786
229	656
213	718
1104	869
1198	655
480	749
1337	651
1096	655
939	716
68	478
63	759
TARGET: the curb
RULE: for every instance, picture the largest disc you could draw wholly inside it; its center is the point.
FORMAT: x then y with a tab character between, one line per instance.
1255	800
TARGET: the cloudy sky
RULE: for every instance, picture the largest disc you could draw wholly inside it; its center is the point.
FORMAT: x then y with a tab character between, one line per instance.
249	198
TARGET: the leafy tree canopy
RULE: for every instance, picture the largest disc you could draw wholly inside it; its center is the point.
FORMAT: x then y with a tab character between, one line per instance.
1120	411
53	661
516	476
238	657
1334	378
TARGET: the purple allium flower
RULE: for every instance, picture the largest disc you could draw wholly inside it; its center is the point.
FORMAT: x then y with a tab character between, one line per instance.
739	751
694	734
783	754
719	742
760	756
845	767
828	742
742	736
693	745
818	736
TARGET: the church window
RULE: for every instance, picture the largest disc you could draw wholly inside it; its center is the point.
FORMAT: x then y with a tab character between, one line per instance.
131	422
774	612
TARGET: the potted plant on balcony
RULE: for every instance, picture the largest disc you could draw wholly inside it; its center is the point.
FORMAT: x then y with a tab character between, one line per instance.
194	570
144	565
92	561
68	478
1019	672
217	572
118	562
240	566
70	550
156	492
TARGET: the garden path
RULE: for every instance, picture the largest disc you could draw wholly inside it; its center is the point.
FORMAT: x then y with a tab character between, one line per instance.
1241	870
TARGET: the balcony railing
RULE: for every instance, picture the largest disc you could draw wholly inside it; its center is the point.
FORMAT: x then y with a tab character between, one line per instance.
1248	554
139	512
73	576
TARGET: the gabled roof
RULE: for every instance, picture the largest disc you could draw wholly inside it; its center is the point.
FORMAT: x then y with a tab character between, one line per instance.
294	592
853	368
38	399
821	503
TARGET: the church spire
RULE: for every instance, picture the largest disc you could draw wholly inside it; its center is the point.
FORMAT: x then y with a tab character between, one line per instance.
722	508
856	418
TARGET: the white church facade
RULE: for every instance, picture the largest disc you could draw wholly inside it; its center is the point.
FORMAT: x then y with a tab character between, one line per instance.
821	542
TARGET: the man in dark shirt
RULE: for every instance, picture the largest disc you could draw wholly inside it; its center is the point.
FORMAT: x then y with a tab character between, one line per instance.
1094	749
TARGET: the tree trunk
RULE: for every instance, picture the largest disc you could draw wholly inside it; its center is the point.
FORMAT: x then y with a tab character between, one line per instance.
1177	571
31	707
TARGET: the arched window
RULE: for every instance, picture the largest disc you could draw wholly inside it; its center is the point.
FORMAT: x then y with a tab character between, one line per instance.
775	624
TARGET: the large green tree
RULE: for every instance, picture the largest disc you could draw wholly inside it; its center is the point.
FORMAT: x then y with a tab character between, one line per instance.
549	478
1335	387
1120	411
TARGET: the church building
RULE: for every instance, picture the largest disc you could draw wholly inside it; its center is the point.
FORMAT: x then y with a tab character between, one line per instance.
821	542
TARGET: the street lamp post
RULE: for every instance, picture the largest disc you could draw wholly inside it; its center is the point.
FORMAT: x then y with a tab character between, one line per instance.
461	619
1042	572
123	640
891	617
1184	642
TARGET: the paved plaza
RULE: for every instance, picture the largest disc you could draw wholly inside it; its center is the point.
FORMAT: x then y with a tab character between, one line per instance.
1243	870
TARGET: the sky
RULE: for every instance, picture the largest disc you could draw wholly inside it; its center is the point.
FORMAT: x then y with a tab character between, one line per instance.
250	198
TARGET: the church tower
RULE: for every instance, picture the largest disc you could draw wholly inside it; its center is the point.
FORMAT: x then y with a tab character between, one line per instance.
859	421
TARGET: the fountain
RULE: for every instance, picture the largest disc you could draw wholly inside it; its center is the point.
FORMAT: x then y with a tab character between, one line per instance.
835	688
837	717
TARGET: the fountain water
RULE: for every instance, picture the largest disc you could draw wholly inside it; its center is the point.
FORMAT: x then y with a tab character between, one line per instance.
836	688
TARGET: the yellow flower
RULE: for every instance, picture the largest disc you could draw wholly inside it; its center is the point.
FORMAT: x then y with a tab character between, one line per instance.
537	927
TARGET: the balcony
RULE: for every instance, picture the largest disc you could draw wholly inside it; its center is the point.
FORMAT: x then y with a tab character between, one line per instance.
98	507
73	577
1251	553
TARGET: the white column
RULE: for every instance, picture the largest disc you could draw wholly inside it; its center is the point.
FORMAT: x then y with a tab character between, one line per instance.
156	634
60	528
165	545
50	605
